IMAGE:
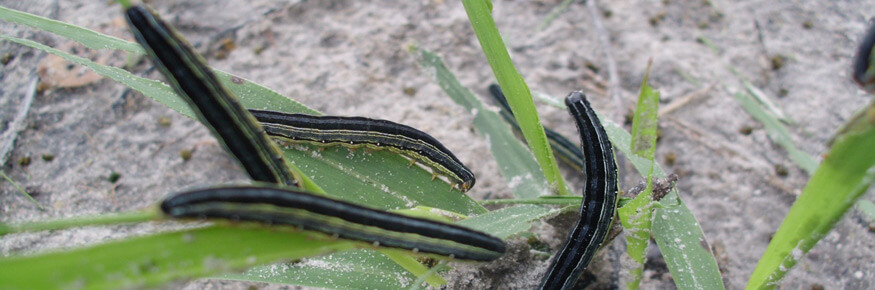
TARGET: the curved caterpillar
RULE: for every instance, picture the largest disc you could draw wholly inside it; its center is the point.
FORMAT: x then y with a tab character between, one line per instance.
272	205
371	133
599	201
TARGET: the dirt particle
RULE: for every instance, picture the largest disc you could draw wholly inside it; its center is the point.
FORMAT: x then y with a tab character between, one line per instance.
185	154
114	176
410	91
745	130
659	135
164	121
24	161
42	87
670	158
782	92
808	24
226	46
6	58
33	191
781	170
816	286
655	20
592	67
778	61
48	157
259	49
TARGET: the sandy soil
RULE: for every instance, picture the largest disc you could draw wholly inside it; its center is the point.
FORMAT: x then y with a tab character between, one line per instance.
348	58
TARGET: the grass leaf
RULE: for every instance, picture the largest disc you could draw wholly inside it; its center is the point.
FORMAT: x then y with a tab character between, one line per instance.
777	132
514	87
153	260
508	221
636	216
20	190
845	174
686	252
355	269
91	39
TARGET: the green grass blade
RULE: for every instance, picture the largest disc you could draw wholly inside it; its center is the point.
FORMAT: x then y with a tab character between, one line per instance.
441	266
91	39
515	88
153	260
508	221
622	140
554	13
685	249
246	91
557	200
766	101
519	169
777	132
760	106
107	219
644	123
843	176
636	220
636	216
21	190
356	269
414	267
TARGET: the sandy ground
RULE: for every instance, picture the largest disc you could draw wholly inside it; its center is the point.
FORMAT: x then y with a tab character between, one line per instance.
348	58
